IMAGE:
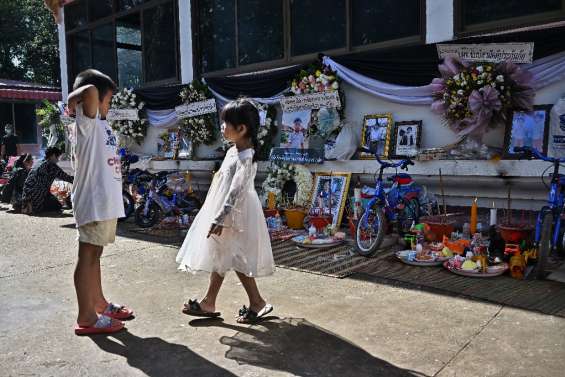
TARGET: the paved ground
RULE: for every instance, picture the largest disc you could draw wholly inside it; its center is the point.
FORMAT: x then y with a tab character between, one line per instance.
321	326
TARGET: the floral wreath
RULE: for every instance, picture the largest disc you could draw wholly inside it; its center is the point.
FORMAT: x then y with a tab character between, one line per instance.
318	78
200	129
279	175
126	99
474	96
49	115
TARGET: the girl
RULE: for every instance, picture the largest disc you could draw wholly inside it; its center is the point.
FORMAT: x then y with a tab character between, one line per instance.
230	232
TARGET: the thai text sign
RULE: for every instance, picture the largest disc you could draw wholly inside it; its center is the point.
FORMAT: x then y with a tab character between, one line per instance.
489	52
122	114
297	156
311	101
196	109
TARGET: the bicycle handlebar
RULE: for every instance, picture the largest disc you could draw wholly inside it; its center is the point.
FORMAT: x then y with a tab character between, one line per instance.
403	164
529	152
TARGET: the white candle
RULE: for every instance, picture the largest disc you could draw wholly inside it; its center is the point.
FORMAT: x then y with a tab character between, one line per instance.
492	217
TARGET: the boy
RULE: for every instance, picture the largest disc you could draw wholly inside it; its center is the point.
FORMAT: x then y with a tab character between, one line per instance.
97	199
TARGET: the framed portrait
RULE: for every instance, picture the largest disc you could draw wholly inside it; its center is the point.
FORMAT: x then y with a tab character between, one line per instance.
527	129
376	135
407	138
295	127
329	195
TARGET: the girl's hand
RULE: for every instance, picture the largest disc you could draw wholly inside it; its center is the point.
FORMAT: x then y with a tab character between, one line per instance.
215	229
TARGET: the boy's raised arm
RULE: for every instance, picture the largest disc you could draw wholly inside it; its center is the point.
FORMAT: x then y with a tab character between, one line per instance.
88	96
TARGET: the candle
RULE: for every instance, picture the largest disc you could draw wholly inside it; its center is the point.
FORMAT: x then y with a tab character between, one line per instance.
271	200
474	209
492	215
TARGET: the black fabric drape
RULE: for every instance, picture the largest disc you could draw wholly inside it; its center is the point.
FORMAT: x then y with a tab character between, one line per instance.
161	97
409	66
258	85
417	65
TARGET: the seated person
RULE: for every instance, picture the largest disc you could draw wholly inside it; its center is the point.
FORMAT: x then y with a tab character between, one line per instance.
13	191
37	197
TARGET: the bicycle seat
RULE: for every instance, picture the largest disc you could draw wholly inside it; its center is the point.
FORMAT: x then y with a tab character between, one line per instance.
401	179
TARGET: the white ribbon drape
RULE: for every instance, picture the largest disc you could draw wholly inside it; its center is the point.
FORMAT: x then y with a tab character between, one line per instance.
546	71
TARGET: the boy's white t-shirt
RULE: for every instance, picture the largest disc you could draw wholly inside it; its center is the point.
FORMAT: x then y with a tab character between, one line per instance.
97	187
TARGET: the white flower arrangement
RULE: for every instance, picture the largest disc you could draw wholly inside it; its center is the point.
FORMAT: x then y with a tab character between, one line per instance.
136	129
200	129
278	176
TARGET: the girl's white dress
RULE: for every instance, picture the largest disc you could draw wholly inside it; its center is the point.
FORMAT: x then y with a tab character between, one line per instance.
232	202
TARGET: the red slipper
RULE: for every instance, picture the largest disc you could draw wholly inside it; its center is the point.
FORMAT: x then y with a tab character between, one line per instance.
104	325
117	311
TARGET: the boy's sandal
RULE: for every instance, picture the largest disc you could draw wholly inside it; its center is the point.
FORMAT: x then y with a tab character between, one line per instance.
104	325
117	311
246	315
192	307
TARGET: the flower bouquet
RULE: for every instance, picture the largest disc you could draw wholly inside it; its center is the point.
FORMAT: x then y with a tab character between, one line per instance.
200	129
474	96
136	129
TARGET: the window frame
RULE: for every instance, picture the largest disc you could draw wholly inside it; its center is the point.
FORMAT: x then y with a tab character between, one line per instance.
112	19
288	59
462	30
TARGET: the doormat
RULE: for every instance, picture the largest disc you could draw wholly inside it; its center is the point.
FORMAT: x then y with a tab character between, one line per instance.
543	296
338	261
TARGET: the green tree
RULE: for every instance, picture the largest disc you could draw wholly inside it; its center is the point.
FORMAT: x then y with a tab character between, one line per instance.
29	49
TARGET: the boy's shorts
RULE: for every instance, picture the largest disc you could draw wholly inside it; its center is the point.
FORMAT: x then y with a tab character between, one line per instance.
99	233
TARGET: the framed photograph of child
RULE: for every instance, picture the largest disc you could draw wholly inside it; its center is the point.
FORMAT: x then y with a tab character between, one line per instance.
376	135
527	129
407	136
329	195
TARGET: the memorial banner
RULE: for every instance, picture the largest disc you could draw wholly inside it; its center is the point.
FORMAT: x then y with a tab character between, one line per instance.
489	52
312	101
195	109
122	114
297	156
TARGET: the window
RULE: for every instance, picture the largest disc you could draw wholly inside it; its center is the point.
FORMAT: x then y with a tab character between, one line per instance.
22	117
25	124
233	36
128	43
316	27
486	15
133	41
159	42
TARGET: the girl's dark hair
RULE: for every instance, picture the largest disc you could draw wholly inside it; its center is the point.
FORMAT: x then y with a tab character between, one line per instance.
102	82
52	151
243	111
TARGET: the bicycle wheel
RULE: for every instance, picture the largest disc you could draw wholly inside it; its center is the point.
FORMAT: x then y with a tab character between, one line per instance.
370	231
544	245
129	205
149	219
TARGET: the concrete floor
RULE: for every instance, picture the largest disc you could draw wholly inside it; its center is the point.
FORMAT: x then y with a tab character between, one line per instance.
321	326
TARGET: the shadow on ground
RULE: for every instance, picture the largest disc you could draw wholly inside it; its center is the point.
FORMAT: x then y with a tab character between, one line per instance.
156	357
301	348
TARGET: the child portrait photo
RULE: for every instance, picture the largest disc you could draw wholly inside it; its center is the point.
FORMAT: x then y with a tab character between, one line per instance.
295	129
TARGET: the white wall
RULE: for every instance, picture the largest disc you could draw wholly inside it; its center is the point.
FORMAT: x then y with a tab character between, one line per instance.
63	56
185	36
439	20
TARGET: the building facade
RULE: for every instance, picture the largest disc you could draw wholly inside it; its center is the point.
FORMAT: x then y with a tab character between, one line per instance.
153	43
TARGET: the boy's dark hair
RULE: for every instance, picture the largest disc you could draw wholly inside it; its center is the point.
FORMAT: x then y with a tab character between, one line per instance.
243	111
52	151
23	158
102	82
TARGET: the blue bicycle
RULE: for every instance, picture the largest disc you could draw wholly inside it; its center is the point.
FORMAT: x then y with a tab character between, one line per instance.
548	237
398	205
